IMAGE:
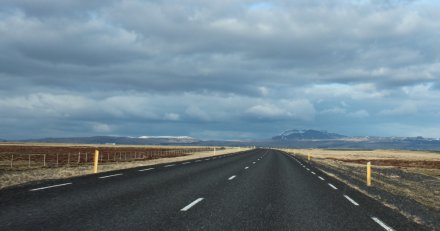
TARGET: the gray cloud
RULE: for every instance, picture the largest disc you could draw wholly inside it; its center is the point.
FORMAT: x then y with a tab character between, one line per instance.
227	69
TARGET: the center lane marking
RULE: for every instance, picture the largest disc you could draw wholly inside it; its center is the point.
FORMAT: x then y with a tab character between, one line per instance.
386	227
351	200
102	177
52	186
147	169
232	177
186	208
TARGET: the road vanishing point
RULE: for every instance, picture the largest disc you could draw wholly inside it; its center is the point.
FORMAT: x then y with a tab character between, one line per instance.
261	189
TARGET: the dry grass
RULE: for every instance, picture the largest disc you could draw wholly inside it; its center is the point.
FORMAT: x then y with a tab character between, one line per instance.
10	178
369	154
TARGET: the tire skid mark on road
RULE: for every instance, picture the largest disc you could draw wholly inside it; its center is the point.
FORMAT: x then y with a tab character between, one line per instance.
51	186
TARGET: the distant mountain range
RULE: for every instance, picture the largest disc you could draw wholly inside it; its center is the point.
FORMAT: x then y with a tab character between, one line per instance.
295	134
293	138
143	140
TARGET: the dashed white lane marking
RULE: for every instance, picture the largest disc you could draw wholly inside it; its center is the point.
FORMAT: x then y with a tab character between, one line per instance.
381	223
232	177
313	173
198	160
186	208
102	177
334	187
186	163
170	165
320	178
146	169
308	169
246	167
52	186
253	162
351	200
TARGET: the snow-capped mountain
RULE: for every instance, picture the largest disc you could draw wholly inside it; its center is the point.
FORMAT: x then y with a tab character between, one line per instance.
295	134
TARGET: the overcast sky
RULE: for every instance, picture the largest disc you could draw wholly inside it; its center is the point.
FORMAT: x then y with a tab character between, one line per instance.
219	69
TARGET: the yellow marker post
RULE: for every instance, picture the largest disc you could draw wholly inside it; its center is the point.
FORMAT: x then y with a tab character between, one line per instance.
369	174
95	166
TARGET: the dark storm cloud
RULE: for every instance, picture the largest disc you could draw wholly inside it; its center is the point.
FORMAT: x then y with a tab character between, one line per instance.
243	68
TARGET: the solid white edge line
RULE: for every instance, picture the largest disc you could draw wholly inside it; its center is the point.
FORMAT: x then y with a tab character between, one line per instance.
51	186
186	208
351	200
334	187
232	177
320	178
381	223
102	177
146	169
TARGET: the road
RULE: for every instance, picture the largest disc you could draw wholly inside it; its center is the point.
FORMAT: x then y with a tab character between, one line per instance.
262	189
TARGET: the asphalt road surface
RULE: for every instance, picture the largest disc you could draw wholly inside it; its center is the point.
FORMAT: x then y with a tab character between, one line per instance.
261	189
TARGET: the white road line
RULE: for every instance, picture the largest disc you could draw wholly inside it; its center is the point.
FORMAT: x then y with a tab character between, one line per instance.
186	163
146	169
313	173
102	177
308	169
246	167
170	165
351	200
253	162
198	160
320	178
186	208
332	186
386	227
232	177
52	186
207	159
